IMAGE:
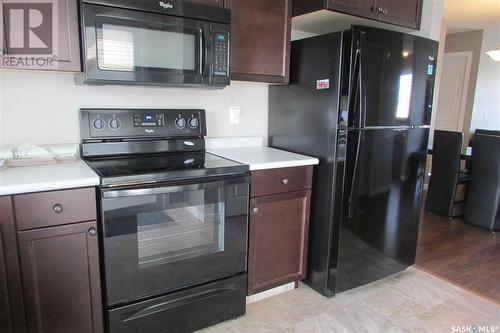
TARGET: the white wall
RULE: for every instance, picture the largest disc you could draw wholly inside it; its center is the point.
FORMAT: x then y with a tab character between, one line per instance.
486	110
430	26
43	107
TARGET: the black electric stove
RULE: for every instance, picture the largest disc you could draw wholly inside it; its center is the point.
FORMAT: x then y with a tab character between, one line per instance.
174	220
163	168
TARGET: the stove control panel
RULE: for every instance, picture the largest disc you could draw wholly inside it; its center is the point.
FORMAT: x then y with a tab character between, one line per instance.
103	124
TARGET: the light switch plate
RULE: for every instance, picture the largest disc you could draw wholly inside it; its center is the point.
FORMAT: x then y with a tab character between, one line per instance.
234	114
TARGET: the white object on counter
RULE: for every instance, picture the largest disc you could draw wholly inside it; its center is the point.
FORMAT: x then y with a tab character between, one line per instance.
47	178
260	158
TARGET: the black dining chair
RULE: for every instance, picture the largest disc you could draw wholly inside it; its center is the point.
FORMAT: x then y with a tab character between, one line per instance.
482	205
488	132
445	174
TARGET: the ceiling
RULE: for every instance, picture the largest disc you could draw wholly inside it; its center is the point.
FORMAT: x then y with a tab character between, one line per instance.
465	15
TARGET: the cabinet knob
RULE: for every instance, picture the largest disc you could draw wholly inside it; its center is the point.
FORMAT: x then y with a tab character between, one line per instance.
384	11
92	232
58	208
255	210
284	180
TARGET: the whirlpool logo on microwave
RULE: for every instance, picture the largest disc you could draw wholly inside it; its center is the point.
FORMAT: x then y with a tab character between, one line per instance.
30	38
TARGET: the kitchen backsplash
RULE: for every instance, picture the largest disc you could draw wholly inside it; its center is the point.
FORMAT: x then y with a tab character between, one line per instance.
43	108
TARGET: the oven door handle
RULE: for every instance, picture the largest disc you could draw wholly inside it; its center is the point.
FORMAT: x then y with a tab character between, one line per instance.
133	192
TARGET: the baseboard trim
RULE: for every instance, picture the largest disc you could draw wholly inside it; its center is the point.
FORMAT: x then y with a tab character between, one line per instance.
270	293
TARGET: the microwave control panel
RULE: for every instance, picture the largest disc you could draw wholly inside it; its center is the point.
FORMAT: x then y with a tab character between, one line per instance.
221	53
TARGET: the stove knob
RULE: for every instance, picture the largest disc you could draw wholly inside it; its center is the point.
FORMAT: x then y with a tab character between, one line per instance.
114	123
193	123
98	123
180	123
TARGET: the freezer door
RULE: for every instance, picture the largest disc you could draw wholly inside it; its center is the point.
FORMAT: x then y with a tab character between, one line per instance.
382	186
392	78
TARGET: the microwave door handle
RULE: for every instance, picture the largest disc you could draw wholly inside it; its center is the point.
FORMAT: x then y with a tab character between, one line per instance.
204	50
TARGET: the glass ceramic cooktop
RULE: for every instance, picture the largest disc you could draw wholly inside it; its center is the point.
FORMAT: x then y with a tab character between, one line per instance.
180	164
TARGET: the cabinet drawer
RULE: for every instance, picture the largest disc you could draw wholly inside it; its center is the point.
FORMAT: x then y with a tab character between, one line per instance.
36	210
282	180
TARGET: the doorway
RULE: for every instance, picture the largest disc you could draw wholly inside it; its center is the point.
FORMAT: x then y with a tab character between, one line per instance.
453	90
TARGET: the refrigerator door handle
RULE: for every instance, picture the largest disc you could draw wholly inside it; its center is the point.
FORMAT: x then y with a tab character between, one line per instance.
353	91
361	87
352	190
357	89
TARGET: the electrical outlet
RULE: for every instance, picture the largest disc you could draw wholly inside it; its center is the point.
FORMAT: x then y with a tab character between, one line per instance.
234	114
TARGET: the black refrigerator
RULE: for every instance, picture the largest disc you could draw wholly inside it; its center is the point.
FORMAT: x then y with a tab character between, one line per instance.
360	100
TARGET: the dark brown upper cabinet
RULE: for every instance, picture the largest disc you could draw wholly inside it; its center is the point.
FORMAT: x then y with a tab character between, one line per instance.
217	3
59	35
260	40
362	8
406	13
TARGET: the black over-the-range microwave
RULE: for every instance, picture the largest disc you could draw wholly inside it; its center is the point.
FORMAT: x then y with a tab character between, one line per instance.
151	42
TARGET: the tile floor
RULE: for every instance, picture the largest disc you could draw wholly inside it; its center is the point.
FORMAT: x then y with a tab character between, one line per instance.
411	301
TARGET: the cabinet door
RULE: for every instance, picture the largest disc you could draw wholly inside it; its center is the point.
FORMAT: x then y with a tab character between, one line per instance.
60	271
260	40
54	45
11	300
217	3
401	12
279	226
363	8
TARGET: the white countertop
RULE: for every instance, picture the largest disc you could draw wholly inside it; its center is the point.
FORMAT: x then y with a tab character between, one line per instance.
260	157
47	178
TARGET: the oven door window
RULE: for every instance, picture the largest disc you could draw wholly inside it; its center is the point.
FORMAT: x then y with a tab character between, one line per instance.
130	46
163	238
183	225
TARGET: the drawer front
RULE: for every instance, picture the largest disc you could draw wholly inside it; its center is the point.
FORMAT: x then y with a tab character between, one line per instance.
183	311
272	181
37	210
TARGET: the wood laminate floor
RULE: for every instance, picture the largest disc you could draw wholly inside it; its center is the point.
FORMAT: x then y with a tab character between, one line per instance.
411	301
460	253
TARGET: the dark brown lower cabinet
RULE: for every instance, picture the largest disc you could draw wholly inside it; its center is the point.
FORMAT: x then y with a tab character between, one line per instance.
279	226
11	300
60	277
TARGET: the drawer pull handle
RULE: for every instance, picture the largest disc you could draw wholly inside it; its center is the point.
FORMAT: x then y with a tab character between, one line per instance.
284	181
58	208
92	232
255	210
